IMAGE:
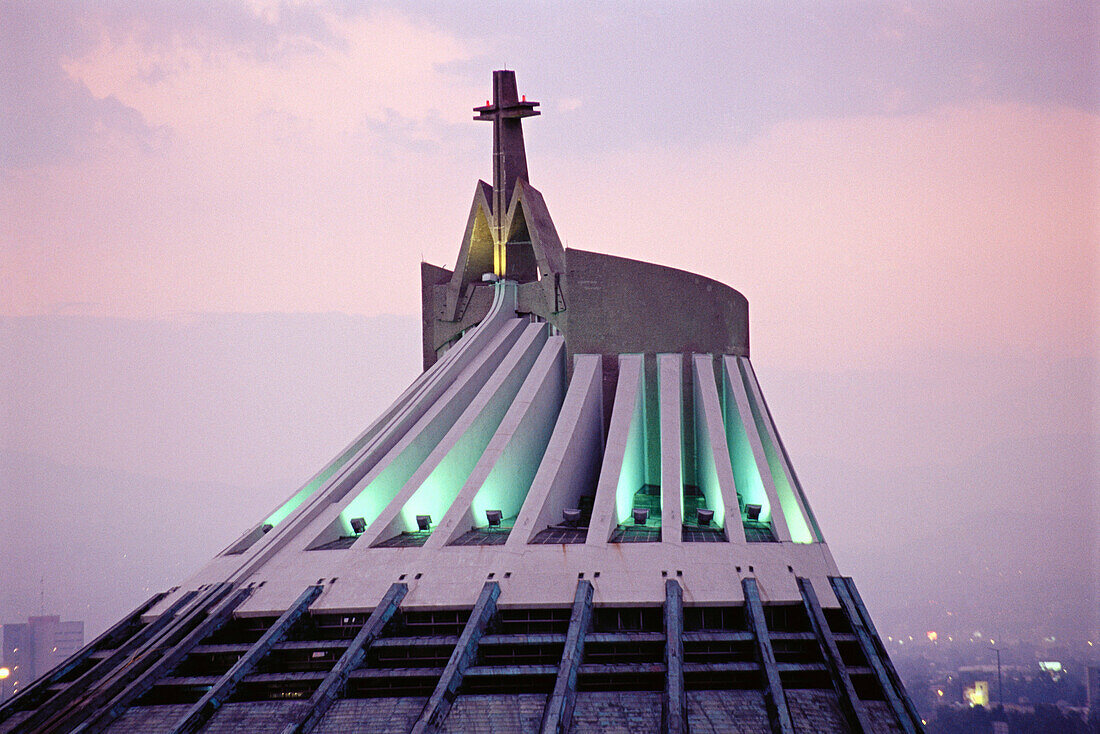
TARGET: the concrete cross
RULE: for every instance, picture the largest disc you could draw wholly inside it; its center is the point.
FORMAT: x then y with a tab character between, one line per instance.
505	111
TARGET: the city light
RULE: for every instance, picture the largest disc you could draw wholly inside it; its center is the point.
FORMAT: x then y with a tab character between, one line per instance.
932	636
977	694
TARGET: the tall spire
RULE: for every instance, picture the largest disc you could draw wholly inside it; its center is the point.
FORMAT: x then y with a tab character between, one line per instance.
505	110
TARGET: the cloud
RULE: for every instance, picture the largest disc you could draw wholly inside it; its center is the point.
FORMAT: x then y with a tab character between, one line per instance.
360	69
46	117
80	80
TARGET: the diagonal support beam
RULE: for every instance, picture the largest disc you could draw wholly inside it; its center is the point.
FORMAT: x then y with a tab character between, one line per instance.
675	703
81	692
558	714
337	678
853	708
205	707
125	629
900	703
465	652
163	665
774	696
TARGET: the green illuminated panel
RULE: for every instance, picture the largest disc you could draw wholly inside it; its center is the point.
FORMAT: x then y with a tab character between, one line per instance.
746	475
786	459
706	470
792	512
437	492
632	474
302	494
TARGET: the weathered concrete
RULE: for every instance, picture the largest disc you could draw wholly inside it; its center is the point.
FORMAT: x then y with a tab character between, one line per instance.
494	714
617	712
727	712
774	695
371	715
816	712
329	688
558	714
464	655
850	703
223	689
674	706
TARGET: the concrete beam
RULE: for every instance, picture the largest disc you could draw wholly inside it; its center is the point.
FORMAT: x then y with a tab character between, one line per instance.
437	481
377	489
670	382
37	691
786	479
145	676
774	696
205	707
334	682
82	691
674	709
571	463
904	710
377	441
850	704
622	472
714	467
464	655
502	476
557	716
741	410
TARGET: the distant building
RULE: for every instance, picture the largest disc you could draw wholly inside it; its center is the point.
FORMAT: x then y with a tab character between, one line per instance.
33	648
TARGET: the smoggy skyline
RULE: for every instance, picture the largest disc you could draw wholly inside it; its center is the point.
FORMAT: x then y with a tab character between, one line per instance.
908	196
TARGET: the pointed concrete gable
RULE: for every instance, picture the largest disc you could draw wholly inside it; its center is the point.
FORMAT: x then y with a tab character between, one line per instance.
475	258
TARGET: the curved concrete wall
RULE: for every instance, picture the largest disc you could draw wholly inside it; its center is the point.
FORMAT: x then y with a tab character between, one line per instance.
614	305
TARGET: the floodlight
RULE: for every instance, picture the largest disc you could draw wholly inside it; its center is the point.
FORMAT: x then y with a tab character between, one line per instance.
641	515
572	517
358	525
423	522
703	517
752	512
494	516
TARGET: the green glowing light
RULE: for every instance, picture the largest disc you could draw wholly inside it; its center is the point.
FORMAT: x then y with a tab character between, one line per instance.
706	470
632	474
746	474
792	511
435	495
302	494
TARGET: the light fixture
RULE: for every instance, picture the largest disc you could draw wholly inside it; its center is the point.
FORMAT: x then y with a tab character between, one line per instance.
752	512
494	516
703	517
572	517
358	525
423	522
641	515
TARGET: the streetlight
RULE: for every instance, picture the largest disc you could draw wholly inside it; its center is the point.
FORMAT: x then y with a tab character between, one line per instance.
1000	692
